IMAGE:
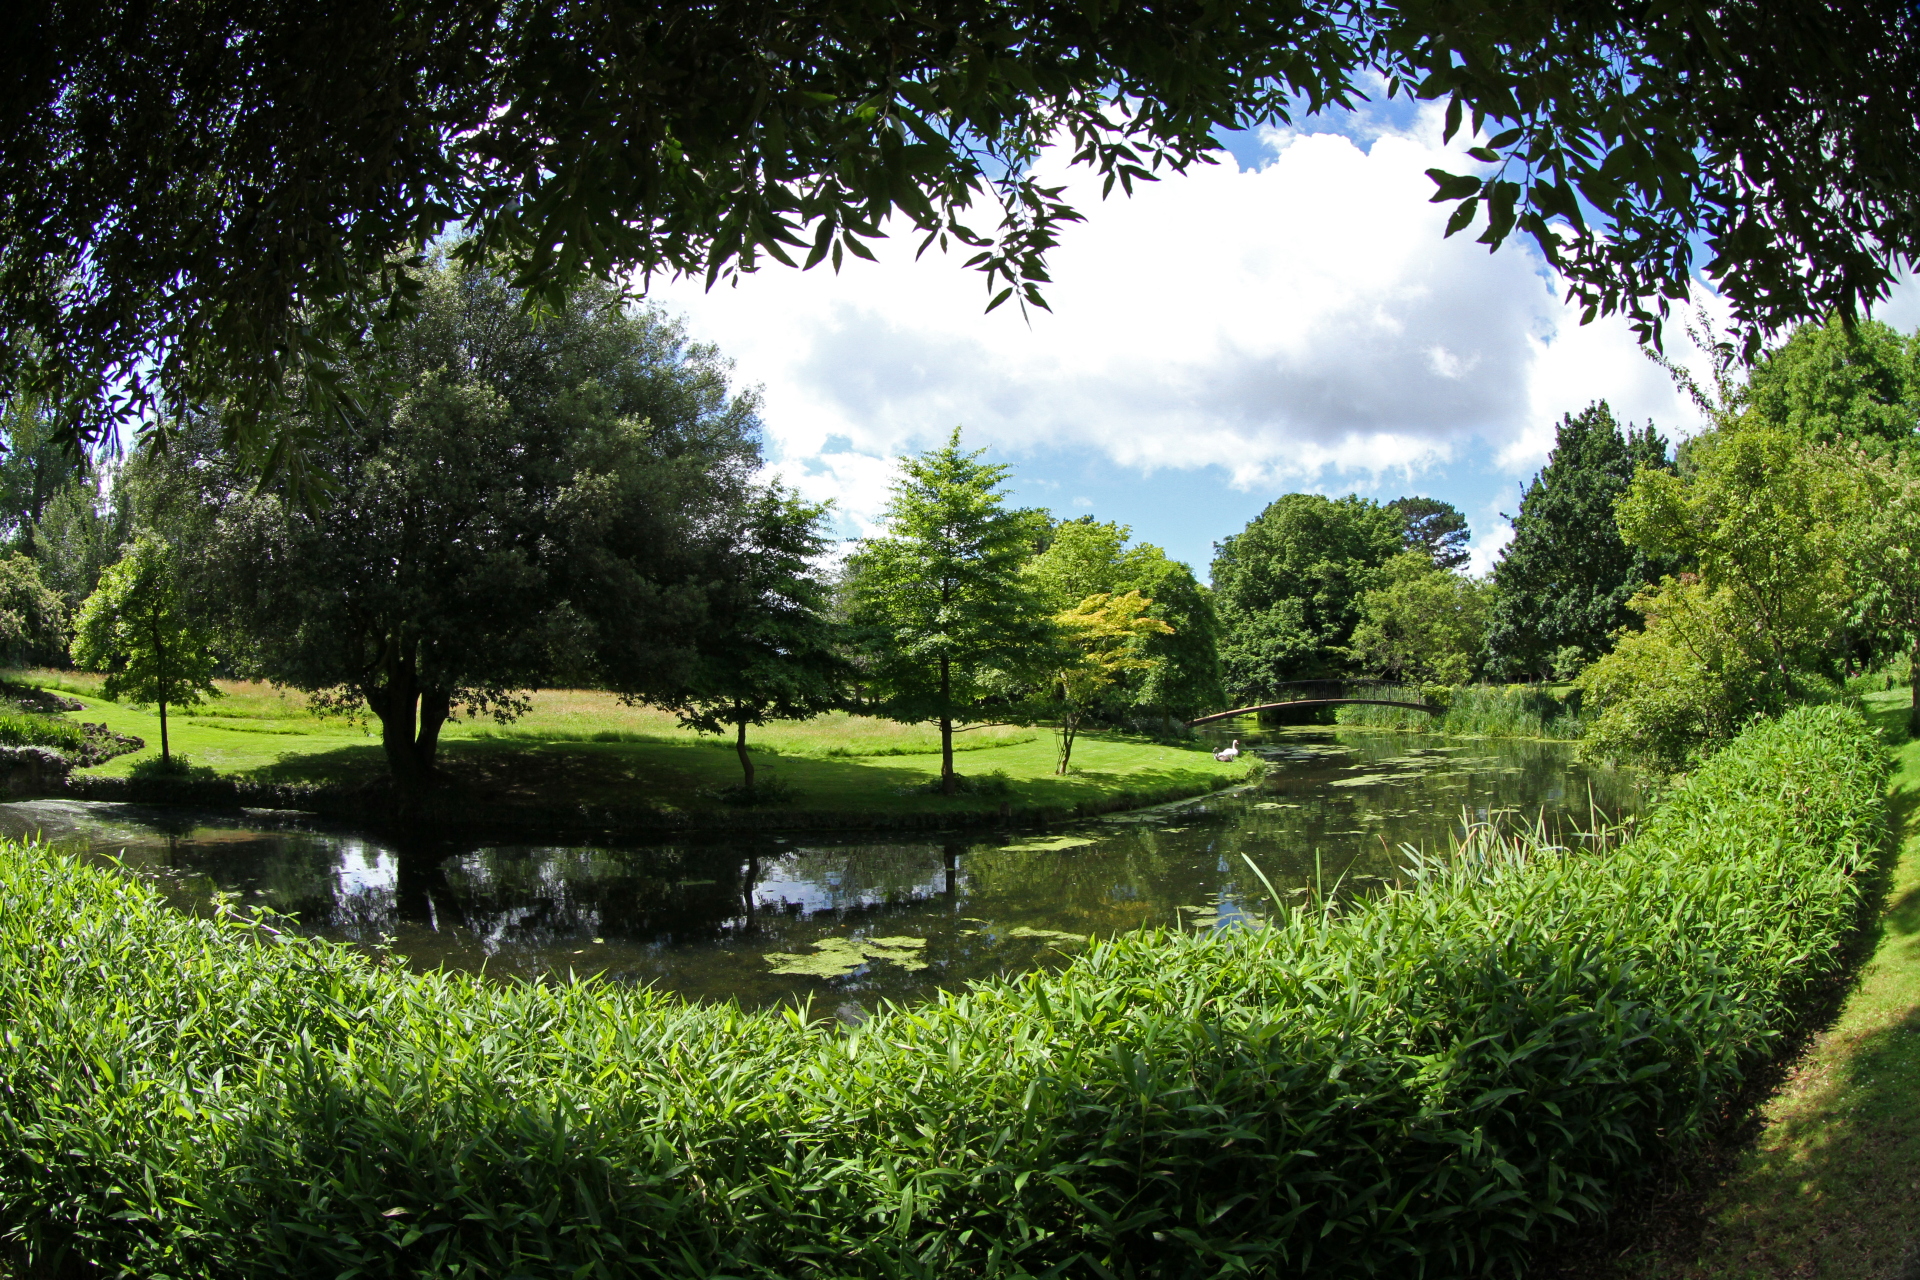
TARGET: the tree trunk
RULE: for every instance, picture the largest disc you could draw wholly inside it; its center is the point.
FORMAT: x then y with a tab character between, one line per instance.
746	761
436	705
394	703
1068	723
1913	678
160	685
949	784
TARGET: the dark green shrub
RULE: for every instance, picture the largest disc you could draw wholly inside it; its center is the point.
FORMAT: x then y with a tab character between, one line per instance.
1426	1083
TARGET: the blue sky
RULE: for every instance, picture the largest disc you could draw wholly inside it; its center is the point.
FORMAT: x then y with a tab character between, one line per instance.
1290	319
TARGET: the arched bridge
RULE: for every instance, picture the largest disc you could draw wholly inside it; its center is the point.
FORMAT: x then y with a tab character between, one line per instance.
1328	693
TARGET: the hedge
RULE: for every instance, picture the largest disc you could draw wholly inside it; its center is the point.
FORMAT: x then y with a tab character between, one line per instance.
1431	1081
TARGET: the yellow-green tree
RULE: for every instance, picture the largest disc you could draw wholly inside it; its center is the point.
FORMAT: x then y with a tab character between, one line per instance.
1773	523
1100	641
1689	679
1767	518
136	628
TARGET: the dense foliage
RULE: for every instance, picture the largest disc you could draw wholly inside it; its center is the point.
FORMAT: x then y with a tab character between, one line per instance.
1790	512
1836	382
1564	581
211	197
944	621
524	500
1181	678
1423	623
1435	1079
1288	588
33	618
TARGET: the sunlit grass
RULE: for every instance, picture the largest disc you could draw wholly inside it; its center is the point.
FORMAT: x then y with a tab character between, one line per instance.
586	746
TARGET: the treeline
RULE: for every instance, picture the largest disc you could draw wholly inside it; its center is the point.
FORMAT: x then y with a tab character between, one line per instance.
521	501
1682	592
1317	587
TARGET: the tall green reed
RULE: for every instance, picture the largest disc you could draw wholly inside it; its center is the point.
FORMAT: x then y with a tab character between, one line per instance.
1521	711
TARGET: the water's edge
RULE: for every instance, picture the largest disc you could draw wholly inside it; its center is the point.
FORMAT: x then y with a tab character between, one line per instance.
463	813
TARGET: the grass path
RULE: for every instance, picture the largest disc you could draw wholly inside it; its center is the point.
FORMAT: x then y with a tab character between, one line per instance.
1830	1189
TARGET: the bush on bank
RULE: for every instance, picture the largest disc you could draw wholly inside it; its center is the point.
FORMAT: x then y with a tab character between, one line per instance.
1426	1082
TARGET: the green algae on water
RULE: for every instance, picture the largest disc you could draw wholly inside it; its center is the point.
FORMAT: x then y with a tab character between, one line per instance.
838	957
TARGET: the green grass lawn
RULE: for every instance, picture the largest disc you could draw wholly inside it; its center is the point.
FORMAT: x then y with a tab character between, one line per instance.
584	747
1831	1187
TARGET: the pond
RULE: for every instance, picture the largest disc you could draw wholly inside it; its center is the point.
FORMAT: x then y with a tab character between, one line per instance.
853	920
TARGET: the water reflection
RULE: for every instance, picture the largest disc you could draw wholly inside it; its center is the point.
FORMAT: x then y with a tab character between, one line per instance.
856	919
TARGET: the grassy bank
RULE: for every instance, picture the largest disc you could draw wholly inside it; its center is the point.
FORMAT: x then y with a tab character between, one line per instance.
1431	1081
583	748
1508	711
1830	1187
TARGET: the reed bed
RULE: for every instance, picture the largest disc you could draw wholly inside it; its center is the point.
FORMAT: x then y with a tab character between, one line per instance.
1426	1082
1516	711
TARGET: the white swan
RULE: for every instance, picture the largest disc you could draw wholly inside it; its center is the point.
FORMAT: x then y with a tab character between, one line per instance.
1231	754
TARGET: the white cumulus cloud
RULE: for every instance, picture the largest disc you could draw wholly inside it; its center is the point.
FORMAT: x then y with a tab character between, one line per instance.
1299	324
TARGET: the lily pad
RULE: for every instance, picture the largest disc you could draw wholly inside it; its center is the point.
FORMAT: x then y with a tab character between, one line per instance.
1365	780
825	964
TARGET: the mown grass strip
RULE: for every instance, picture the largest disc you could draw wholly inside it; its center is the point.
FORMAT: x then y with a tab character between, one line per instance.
1426	1084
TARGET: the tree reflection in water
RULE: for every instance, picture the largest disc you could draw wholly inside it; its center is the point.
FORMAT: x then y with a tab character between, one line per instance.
703	916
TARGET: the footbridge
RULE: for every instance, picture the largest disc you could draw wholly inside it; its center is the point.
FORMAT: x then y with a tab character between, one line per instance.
1327	693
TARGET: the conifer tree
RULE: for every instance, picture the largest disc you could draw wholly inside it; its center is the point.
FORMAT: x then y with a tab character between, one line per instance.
1563	583
939	605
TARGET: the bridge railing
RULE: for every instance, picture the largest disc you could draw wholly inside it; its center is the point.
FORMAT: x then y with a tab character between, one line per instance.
1326	693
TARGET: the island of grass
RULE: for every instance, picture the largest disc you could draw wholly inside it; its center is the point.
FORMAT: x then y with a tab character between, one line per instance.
582	754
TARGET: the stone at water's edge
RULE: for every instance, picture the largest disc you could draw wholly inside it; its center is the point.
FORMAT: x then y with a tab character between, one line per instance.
32	770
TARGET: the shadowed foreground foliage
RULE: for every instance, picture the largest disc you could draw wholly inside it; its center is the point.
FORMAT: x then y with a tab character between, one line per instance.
1427	1081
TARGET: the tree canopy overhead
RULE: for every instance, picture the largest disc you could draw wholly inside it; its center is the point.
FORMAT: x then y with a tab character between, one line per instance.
207	199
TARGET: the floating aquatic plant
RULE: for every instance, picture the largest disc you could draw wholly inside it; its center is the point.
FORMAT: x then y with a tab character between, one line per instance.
838	957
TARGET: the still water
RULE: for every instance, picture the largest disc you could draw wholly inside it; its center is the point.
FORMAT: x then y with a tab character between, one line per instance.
854	920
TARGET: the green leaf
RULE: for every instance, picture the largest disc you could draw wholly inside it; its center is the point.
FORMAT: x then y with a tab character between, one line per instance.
1453	186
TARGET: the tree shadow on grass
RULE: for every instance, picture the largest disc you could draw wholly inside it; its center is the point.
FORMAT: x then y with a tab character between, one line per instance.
687	775
1818	1173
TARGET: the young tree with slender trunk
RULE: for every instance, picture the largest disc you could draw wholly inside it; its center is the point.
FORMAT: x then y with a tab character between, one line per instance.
938	605
1101	639
769	650
136	627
